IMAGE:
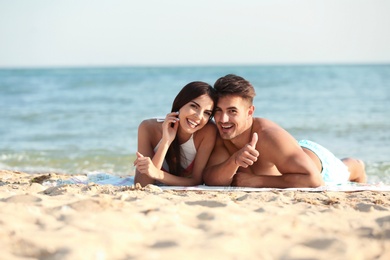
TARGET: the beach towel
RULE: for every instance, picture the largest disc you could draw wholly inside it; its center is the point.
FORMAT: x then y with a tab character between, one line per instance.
102	178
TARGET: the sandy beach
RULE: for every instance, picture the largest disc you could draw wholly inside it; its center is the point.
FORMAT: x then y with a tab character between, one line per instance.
107	222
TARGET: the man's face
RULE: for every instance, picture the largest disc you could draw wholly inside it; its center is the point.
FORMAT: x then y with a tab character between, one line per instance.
233	115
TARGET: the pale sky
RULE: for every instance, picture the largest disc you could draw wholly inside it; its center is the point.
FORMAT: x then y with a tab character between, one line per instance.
45	33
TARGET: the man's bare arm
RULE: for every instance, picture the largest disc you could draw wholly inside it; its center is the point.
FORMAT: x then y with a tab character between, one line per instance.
290	180
282	150
220	168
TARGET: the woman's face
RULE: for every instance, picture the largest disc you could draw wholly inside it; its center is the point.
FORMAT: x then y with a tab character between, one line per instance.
195	114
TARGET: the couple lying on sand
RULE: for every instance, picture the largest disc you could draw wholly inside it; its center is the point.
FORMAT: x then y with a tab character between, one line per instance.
188	148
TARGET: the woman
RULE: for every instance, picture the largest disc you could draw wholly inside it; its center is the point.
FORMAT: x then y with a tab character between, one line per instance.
168	149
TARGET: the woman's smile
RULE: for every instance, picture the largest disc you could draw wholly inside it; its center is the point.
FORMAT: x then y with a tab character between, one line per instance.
192	123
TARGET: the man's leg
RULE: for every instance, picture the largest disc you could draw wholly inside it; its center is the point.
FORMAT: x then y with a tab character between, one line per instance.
356	168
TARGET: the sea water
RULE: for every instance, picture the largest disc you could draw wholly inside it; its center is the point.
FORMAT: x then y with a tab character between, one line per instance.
77	120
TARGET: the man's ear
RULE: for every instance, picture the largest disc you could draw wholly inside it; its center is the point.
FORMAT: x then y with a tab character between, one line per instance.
251	110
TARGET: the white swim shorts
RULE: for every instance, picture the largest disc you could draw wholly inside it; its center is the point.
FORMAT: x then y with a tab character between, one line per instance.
333	169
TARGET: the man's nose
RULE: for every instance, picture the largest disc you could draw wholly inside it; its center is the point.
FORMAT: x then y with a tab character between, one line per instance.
224	118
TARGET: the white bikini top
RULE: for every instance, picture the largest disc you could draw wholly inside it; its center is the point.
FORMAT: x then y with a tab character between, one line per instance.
188	153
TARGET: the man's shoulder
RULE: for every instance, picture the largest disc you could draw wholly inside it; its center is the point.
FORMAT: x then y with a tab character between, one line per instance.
264	125
271	135
263	120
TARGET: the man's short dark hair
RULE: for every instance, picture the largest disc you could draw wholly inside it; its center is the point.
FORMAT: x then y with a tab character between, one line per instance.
233	85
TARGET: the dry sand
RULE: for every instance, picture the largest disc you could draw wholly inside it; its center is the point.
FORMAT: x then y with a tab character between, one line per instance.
107	222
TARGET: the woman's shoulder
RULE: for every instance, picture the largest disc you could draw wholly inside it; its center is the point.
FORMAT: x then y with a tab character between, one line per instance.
150	124
206	135
210	129
150	129
152	121
210	126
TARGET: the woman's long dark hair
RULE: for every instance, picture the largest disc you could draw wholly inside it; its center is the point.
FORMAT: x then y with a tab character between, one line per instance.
189	92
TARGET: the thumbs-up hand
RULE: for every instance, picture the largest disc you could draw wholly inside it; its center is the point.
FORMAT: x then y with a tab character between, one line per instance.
254	140
247	156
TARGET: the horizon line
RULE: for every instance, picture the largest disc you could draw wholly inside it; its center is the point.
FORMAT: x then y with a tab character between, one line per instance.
276	64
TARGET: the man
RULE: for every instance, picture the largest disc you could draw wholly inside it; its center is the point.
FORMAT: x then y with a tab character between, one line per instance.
256	152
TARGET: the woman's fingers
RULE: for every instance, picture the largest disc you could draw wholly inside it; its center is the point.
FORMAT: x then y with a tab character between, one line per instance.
171	120
140	161
173	114
139	155
172	117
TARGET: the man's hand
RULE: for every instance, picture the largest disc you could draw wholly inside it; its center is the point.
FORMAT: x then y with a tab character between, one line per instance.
247	156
